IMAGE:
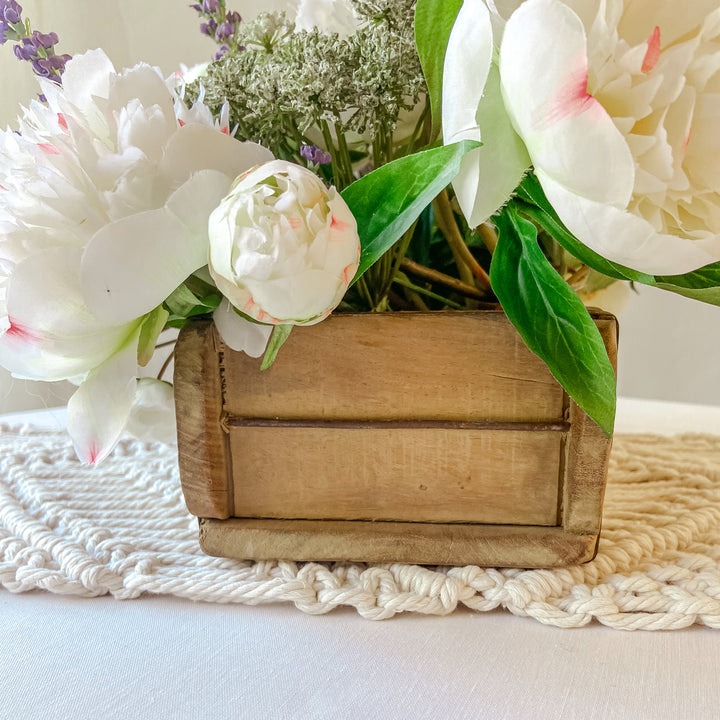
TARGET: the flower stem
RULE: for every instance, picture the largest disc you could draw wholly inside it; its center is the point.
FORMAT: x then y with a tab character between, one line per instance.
336	171
435	276
457	242
488	236
402	280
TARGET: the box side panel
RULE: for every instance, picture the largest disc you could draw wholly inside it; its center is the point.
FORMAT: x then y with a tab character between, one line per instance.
588	456
436	366
202	453
421	475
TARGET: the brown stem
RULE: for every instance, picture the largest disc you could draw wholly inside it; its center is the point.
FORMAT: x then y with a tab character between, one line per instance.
456	240
434	276
488	236
165	364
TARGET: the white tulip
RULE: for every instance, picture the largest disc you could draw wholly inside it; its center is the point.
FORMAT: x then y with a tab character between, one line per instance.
283	247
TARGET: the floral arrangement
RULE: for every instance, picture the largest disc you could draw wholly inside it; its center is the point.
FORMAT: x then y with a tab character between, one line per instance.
356	155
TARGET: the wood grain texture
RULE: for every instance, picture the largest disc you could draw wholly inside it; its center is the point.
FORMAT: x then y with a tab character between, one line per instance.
417	543
588	454
451	492
397	474
404	365
202	456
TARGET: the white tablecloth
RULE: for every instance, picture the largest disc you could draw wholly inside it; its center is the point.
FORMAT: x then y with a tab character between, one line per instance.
77	659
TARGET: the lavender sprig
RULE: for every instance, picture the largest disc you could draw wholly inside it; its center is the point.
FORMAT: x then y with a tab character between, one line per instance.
219	24
33	46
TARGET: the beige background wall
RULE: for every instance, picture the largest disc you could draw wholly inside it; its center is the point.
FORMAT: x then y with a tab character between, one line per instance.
670	347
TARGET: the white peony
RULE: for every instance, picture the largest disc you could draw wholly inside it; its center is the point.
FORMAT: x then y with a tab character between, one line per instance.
283	247
616	105
106	191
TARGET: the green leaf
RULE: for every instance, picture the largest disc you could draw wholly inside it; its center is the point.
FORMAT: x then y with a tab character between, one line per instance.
710	295
434	20
181	301
551	319
279	335
151	328
705	277
387	201
537	207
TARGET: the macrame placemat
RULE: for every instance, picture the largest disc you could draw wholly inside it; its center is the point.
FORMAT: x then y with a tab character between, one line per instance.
123	529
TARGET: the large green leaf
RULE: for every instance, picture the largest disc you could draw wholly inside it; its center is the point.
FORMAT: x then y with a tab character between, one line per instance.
551	319
434	20
710	295
537	207
702	285
387	201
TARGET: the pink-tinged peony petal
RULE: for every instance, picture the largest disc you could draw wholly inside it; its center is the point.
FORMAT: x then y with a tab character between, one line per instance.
543	70
100	407
132	265
241	334
467	63
625	238
52	334
653	51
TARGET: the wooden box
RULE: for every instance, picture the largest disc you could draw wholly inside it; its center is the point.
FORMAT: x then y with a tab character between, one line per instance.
430	438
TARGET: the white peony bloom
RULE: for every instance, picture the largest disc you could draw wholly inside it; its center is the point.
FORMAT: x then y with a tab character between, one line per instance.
283	247
616	105
105	194
620	116
328	16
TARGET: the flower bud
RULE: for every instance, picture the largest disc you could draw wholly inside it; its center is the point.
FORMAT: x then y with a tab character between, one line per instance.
283	247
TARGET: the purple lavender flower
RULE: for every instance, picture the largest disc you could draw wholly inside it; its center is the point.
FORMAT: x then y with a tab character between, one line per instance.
208	28
315	155
221	51
224	31
26	50
197	7
210	6
4	27
46	40
233	17
10	11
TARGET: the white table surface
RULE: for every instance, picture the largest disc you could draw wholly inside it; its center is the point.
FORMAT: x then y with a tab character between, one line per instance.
75	659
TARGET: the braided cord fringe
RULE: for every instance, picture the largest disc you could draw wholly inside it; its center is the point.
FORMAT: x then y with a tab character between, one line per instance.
123	529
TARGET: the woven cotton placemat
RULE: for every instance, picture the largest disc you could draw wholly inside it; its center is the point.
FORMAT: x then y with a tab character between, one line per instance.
123	529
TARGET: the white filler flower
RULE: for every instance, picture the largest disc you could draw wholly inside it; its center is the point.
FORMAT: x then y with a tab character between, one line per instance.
283	247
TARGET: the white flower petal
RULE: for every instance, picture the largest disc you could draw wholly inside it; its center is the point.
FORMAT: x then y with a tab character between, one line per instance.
544	73
241	334
52	333
198	147
100	407
625	238
467	63
132	265
152	417
489	175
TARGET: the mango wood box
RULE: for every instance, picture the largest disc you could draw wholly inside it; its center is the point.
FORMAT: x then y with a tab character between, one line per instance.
430	438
